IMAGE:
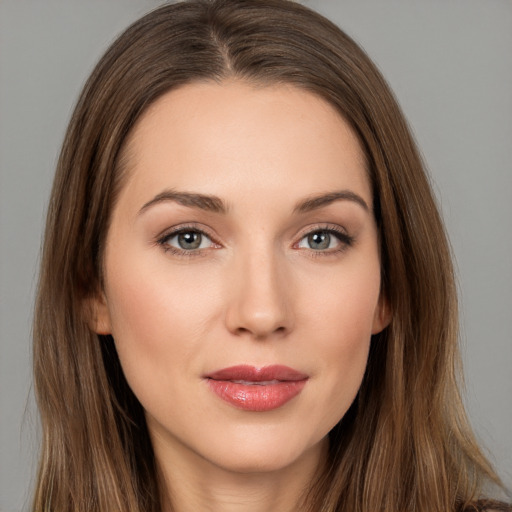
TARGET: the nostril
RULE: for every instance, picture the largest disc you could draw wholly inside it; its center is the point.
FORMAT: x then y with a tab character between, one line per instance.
262	333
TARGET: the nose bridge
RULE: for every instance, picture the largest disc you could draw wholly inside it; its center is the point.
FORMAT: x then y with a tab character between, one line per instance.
259	304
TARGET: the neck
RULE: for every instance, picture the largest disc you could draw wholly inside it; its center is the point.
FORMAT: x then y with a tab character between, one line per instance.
191	483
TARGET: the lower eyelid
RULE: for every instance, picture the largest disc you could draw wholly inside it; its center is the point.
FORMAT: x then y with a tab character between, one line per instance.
341	236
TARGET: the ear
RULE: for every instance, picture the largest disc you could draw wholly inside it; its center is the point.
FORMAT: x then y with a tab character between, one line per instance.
98	314
383	315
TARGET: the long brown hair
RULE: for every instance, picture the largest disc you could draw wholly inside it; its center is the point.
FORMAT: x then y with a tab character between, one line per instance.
405	443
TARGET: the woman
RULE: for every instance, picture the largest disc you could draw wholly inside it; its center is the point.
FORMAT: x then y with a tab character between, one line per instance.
246	297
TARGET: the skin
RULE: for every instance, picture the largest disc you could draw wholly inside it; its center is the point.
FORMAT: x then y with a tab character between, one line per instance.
256	291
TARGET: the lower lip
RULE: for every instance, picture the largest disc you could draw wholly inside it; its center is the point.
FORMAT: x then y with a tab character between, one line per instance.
257	397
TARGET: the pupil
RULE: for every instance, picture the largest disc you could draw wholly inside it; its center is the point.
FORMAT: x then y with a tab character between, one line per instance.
189	240
320	240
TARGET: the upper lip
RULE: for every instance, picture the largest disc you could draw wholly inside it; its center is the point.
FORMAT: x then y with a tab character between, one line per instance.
255	374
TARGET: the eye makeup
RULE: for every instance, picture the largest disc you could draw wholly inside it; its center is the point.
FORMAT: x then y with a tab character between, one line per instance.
191	240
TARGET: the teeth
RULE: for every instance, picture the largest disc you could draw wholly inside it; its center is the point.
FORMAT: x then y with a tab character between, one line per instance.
252	383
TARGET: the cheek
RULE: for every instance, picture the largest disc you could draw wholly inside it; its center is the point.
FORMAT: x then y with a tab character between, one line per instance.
342	303
344	338
158	318
145	293
341	318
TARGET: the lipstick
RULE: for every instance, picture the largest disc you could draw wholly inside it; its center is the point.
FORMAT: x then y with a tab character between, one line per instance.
257	389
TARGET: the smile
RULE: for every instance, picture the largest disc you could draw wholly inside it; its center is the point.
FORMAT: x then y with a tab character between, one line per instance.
257	389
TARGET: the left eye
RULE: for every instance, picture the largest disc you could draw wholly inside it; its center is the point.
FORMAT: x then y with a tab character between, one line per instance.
188	240
320	240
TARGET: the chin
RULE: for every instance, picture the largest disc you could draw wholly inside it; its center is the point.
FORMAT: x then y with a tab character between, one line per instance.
264	455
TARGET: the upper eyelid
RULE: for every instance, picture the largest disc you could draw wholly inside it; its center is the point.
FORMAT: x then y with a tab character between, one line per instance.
336	229
343	236
183	228
162	240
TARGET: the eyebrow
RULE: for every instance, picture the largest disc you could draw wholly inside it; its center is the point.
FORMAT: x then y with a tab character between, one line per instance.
321	200
217	205
190	199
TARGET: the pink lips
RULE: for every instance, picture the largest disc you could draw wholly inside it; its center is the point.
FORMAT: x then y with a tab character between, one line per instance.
257	389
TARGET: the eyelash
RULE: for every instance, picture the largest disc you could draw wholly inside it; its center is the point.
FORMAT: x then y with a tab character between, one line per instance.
345	240
164	239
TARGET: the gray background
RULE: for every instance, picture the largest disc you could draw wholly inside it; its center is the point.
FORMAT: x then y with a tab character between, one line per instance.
449	63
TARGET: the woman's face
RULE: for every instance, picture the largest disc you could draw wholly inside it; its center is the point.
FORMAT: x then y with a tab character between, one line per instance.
242	273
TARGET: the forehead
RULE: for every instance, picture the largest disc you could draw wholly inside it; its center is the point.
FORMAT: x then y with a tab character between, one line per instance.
205	136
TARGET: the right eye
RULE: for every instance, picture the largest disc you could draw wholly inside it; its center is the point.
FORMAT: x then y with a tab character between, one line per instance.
186	240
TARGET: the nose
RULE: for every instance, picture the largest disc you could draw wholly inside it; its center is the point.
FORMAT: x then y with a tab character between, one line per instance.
260	304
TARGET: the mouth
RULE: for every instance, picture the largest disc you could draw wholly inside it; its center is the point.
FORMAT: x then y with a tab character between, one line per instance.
257	389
